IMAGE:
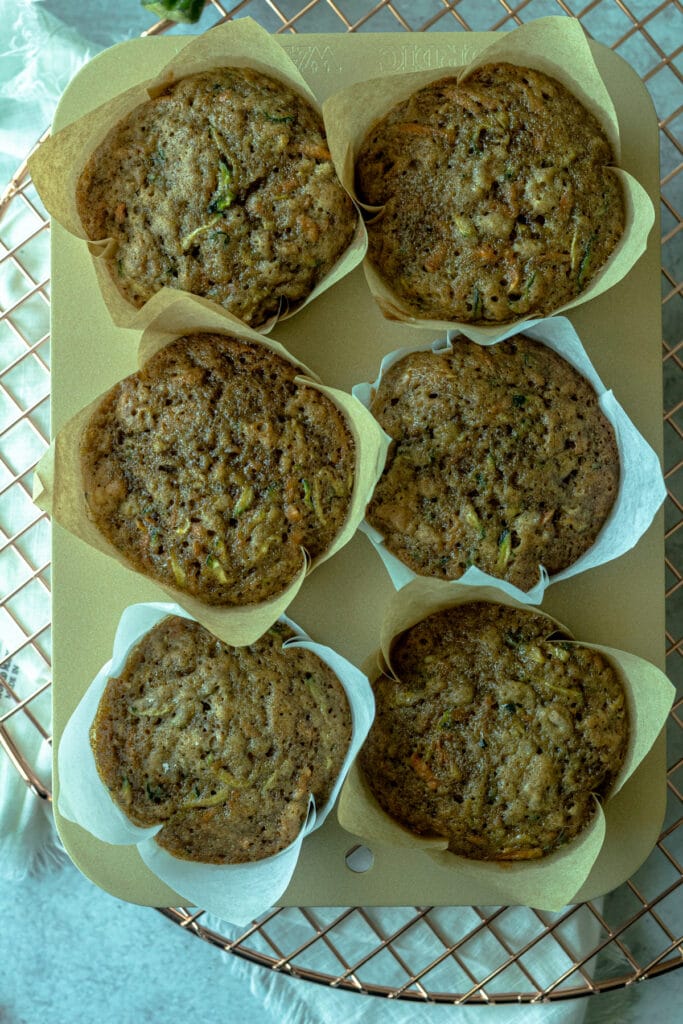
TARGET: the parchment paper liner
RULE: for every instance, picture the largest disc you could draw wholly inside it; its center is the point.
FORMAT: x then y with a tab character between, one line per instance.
58	488
552	881
57	164
641	485
555	45
235	892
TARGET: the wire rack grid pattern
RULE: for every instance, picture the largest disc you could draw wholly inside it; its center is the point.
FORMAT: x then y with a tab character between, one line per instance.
477	960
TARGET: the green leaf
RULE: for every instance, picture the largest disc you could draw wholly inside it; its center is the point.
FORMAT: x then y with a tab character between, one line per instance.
186	11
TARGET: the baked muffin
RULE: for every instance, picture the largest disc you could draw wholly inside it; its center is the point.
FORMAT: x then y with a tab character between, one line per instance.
221	745
497	201
222	186
501	458
495	734
212	467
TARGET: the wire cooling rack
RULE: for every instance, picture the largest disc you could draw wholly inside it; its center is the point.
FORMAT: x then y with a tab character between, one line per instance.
410	953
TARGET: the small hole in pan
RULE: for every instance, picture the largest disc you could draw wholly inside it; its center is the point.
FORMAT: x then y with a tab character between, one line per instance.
359	859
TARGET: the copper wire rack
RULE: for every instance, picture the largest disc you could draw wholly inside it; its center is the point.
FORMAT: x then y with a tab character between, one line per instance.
633	930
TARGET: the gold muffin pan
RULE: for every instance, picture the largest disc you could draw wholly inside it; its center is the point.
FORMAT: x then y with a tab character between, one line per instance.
342	337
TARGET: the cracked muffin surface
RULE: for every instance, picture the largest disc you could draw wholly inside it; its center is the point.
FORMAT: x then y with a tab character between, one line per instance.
212	469
500	458
221	186
223	746
496	194
496	733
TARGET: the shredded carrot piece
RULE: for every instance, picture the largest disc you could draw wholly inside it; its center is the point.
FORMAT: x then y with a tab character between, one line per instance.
291	490
415	128
475	840
460	95
511	200
423	771
486	253
544	257
513	272
437	258
520	854
309	228
565	201
288	185
316	150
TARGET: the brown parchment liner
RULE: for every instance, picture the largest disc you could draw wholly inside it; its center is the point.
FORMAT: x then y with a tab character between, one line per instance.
550	882
58	487
554	45
57	164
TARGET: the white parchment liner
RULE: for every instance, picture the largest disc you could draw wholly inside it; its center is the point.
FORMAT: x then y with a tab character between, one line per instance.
556	46
549	882
234	892
57	164
641	484
58	487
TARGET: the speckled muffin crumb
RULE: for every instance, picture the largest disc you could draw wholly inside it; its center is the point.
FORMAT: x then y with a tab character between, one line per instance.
497	198
221	745
496	733
212	468
222	186
501	458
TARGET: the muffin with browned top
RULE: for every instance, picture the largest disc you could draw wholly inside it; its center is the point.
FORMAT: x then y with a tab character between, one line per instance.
495	733
222	185
501	458
223	746
497	201
212	468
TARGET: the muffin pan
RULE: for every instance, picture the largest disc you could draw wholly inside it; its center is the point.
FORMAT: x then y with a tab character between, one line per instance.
342	336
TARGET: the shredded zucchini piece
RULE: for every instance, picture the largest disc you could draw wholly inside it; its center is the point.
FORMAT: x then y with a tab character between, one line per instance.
473	519
245	500
152	712
568	692
216	568
465	226
504	549
177	569
225	195
585	263
126	791
188	240
219	797
316	692
308	500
